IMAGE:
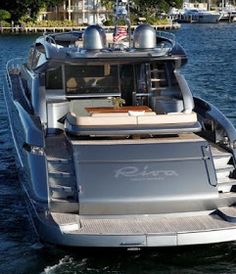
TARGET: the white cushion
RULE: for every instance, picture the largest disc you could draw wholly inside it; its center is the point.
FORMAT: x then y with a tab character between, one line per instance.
109	114
123	119
172	118
114	114
101	120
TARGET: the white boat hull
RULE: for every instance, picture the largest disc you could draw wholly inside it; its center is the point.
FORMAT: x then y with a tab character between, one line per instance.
208	18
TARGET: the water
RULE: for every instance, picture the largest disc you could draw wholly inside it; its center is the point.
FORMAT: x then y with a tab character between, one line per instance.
211	68
211	74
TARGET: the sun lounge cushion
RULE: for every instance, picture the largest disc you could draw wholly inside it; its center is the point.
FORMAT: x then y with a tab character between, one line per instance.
101	120
112	119
123	114
171	118
118	124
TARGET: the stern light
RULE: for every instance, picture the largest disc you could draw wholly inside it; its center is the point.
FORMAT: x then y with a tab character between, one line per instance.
34	149
66	228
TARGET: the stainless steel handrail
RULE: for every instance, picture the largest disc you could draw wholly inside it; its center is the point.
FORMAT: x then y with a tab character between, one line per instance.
13	65
49	39
166	35
185	90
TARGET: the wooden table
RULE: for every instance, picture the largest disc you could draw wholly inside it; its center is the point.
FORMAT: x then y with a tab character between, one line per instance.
125	109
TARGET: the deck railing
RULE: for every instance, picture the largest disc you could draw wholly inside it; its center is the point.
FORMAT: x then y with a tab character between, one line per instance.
167	35
13	66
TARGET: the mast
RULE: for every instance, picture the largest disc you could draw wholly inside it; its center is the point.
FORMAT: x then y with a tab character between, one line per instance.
122	11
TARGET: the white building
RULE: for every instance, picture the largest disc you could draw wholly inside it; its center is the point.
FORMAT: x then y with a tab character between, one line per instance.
196	4
79	11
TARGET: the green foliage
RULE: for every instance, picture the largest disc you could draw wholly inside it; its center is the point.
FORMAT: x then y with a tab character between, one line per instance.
27	8
109	21
4	15
51	3
108	4
152	8
4	24
149	9
157	21
50	23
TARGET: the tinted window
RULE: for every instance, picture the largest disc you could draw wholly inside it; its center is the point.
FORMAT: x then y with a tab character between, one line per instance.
92	79
54	79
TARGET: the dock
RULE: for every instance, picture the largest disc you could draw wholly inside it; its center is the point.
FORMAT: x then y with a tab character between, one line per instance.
20	29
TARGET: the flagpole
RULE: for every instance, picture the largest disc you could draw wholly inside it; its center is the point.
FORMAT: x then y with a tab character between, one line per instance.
122	11
129	25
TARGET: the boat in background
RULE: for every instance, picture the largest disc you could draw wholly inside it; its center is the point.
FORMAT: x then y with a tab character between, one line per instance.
194	15
112	148
228	14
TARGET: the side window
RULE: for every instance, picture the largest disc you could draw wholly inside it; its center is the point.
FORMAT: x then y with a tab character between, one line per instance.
96	79
31	57
127	82
34	54
54	78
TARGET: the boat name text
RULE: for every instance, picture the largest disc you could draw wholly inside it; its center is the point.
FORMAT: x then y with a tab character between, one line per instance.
135	173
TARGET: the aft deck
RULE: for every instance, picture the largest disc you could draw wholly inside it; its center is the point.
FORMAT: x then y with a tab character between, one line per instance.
139	231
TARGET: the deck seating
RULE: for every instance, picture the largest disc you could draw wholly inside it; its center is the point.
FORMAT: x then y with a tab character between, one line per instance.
169	118
167	104
82	115
103	123
111	119
101	120
127	114
98	116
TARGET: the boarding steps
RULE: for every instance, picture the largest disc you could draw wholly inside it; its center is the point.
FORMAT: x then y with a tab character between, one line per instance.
224	169
158	80
61	177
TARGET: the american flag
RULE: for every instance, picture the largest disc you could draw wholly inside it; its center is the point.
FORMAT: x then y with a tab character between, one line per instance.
119	33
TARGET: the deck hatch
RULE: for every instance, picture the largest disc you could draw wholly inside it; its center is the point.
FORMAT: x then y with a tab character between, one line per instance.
146	178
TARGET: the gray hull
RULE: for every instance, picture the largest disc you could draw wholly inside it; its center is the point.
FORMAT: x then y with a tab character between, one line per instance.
142	211
143	231
159	171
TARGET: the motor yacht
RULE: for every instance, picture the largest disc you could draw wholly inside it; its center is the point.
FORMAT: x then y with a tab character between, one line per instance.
112	148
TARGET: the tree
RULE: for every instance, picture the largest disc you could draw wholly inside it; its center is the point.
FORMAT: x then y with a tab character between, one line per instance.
150	8
4	15
147	8
19	8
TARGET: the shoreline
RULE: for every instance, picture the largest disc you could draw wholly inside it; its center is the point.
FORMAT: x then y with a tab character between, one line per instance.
19	29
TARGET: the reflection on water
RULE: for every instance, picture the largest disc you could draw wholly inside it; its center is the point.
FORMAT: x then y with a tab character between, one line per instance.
211	73
211	67
201	259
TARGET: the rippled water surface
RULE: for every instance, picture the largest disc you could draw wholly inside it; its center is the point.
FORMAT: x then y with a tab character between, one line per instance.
211	73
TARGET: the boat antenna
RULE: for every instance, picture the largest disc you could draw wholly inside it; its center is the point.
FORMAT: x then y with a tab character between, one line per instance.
122	11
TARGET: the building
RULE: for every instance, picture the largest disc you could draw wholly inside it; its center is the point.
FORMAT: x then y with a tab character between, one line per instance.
196	4
78	11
